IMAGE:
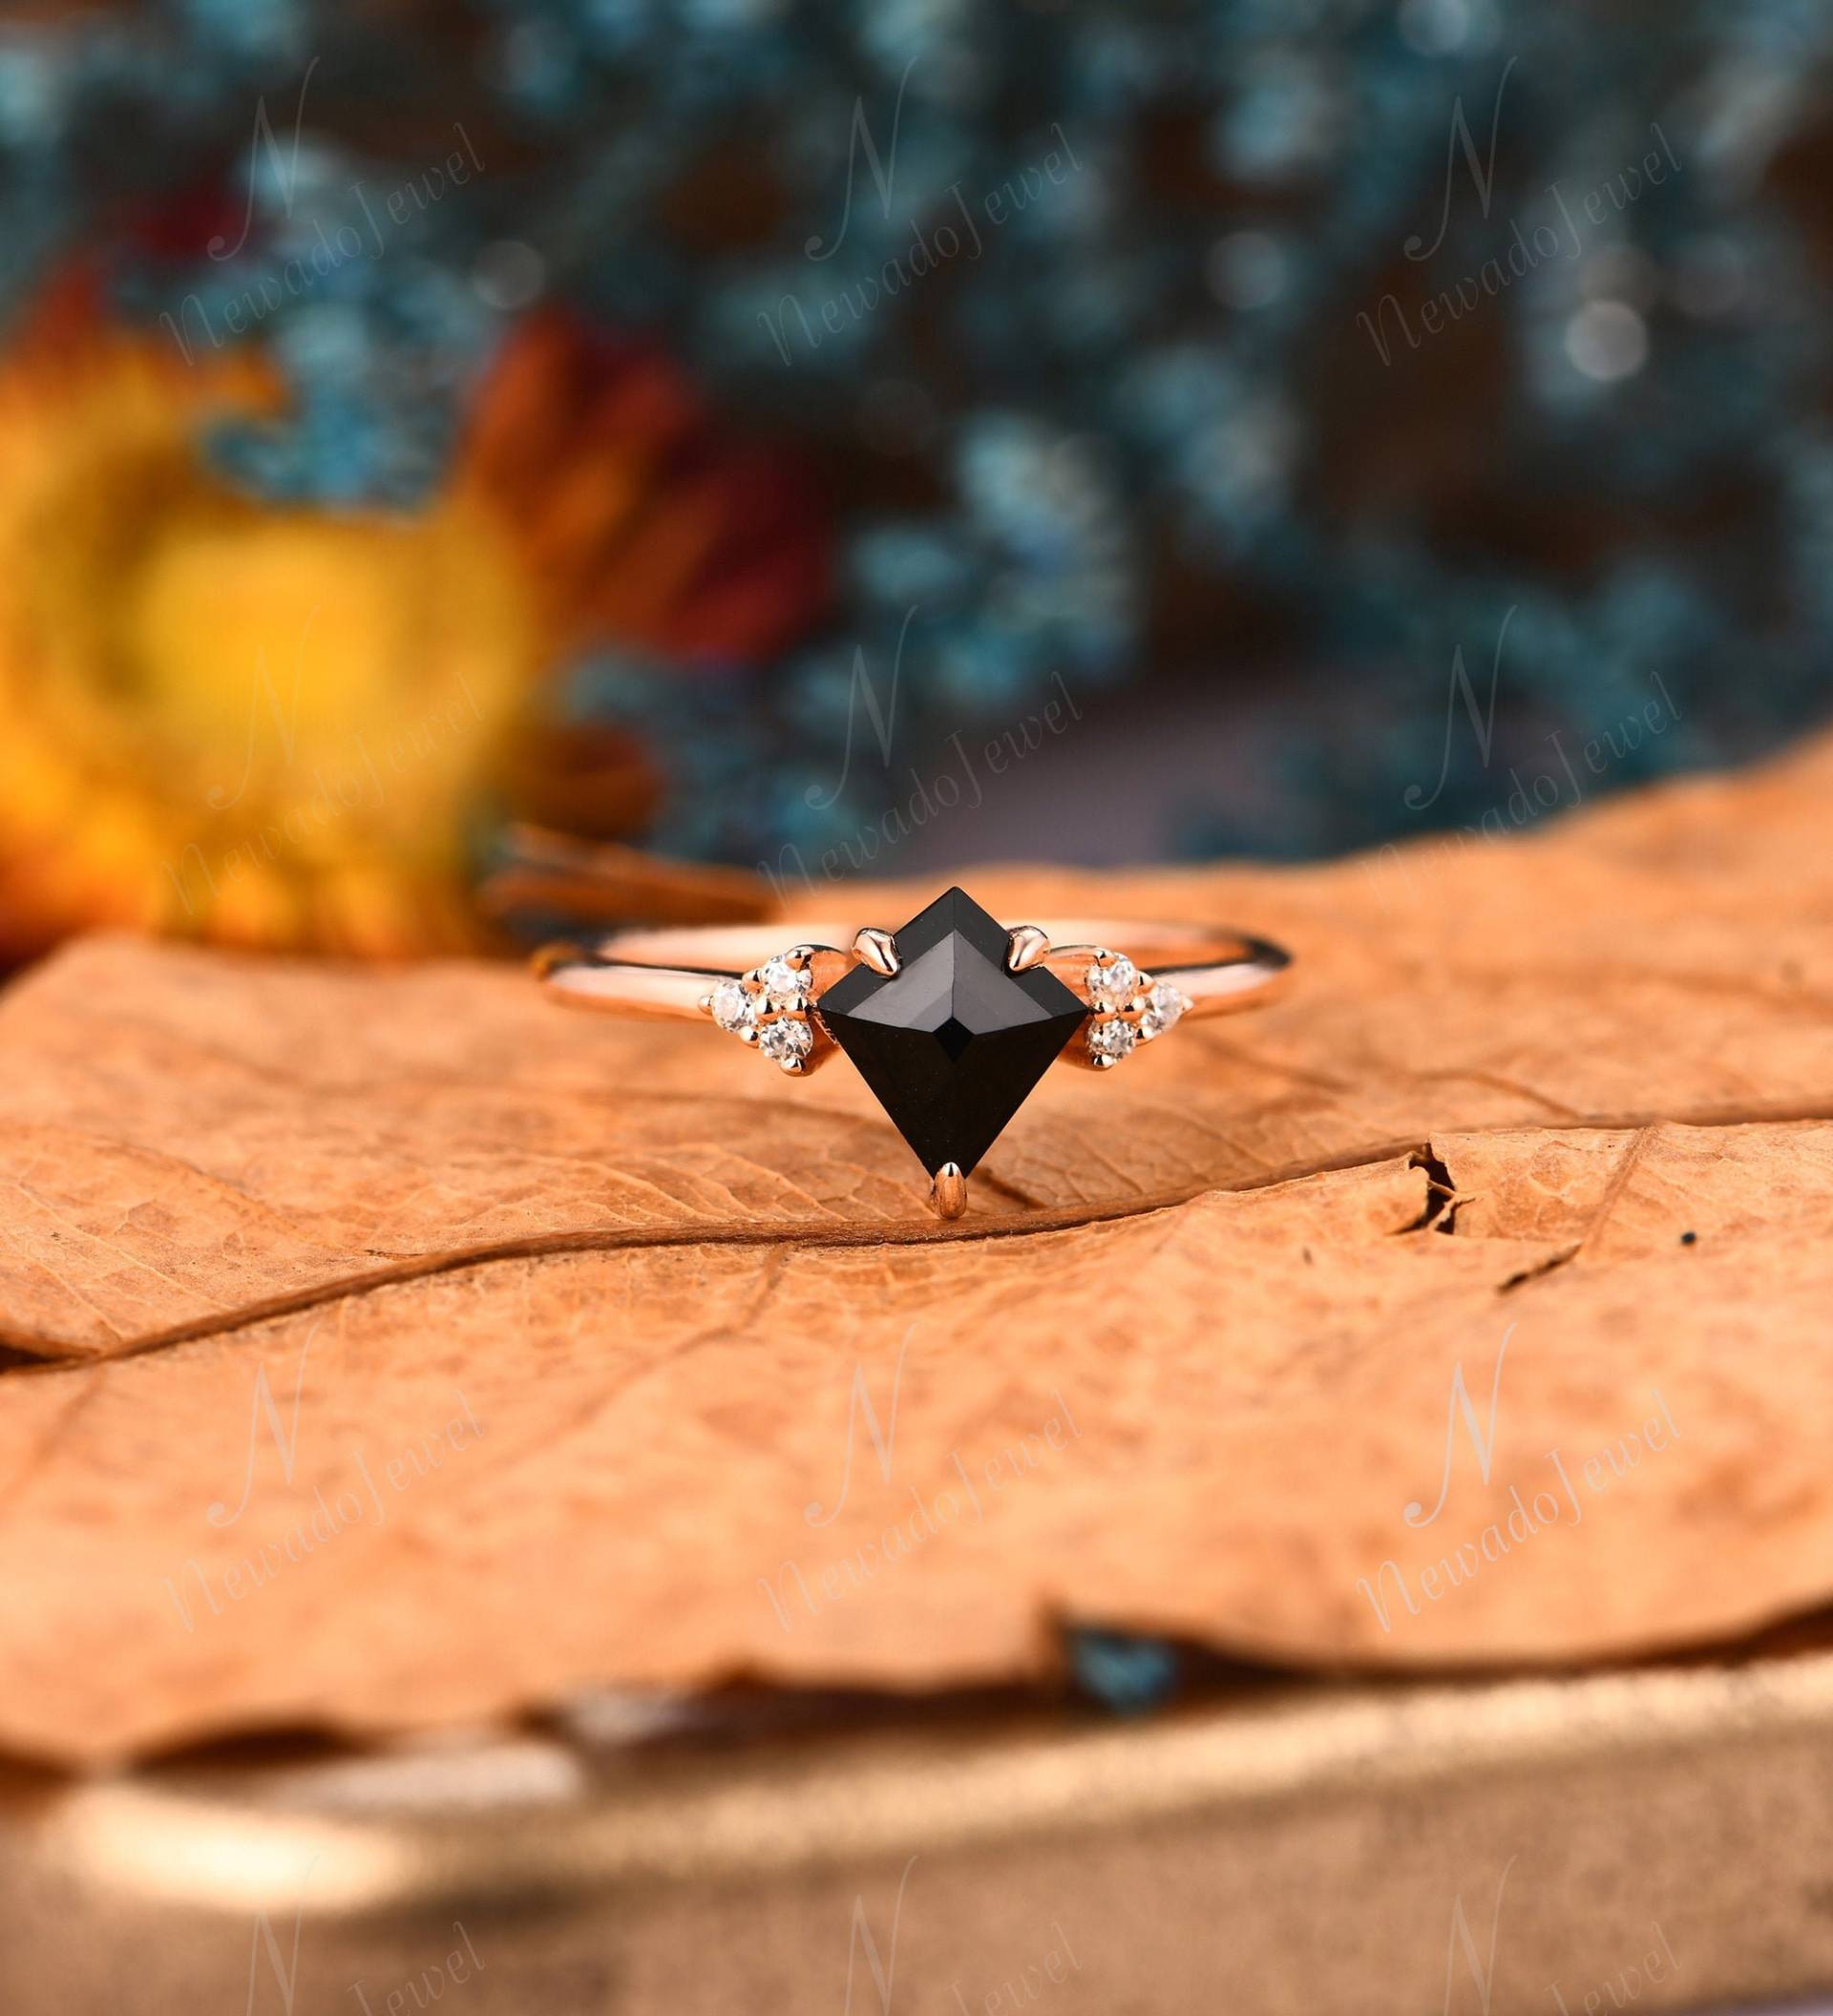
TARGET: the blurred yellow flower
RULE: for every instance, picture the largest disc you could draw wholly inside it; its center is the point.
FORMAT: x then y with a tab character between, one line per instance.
272	725
224	719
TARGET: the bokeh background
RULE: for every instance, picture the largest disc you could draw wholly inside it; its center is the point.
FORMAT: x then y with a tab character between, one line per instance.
433	436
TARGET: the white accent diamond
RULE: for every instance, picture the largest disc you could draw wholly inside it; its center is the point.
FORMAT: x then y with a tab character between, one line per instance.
1164	1008
786	1040
1110	1036
735	1006
1113	982
785	985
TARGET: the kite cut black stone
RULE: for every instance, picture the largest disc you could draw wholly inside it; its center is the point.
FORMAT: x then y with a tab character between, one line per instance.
952	1043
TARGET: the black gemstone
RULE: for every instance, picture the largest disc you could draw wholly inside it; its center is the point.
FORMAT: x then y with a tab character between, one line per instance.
952	1043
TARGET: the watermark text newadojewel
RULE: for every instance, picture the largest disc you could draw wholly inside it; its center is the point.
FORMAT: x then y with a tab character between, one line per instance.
942	245
1627	1984
326	1521
1555	235
956	784
429	1983
929	1517
1526	1522
299	276
1020	1990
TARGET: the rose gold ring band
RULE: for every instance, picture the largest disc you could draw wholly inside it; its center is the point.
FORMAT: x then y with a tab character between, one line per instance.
666	975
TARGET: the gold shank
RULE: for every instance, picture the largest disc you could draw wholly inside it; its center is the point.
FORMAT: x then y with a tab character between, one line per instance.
665	974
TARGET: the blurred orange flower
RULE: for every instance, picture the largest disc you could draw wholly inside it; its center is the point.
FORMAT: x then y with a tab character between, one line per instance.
273	726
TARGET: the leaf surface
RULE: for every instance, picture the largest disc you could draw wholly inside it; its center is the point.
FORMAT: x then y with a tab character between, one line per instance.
391	1348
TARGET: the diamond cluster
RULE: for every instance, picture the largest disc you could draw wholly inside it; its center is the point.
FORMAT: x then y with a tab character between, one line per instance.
1130	1008
768	1007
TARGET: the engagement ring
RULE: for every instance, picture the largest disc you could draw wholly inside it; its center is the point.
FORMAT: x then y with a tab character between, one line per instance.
951	1020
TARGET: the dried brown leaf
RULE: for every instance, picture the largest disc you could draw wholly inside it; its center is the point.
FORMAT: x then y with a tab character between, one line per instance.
1205	1316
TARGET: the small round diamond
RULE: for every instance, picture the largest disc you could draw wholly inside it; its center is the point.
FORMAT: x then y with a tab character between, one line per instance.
1113	982
1164	1007
734	1006
1110	1037
786	1040
784	983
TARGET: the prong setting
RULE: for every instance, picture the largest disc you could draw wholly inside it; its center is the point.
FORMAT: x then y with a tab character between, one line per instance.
878	950
1025	947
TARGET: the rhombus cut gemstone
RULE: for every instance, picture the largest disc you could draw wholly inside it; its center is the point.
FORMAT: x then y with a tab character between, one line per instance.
952	1043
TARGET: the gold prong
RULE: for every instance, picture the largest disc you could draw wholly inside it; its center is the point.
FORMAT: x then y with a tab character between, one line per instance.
948	1190
878	950
1025	947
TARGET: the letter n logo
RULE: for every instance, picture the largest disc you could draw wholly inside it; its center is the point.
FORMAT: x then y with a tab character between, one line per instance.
286	1977
1482	1973
884	718
859	1402
1416	1514
1484	177
882	1970
285	1440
